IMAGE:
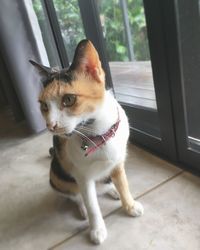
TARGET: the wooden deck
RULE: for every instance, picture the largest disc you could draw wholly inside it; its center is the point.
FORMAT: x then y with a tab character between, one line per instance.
133	83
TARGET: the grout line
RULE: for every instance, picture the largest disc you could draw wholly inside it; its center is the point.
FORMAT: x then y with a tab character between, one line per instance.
147	192
118	209
69	238
160	184
78	231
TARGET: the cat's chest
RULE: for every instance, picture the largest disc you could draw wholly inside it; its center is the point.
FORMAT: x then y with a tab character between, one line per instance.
103	159
78	151
99	162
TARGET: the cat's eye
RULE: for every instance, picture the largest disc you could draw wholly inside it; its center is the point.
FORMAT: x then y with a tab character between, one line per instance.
44	107
68	100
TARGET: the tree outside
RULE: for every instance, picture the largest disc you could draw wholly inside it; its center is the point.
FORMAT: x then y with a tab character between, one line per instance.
112	24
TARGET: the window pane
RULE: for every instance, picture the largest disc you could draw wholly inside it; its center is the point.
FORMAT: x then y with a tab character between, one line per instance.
69	18
189	43
47	35
124	27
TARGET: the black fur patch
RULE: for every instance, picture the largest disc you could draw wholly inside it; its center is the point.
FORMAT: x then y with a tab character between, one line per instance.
64	75
79	54
107	180
56	143
60	172
57	189
56	166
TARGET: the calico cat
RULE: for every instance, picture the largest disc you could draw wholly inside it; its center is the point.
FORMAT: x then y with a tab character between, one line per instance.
90	136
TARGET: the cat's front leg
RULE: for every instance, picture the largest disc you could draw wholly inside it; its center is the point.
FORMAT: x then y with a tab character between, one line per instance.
132	207
98	232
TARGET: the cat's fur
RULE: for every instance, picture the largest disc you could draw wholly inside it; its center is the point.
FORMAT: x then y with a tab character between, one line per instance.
72	173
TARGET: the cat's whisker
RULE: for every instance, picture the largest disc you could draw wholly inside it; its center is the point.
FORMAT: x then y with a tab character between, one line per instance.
82	127
88	130
80	133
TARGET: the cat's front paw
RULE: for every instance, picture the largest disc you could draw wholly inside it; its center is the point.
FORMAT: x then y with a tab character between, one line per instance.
135	210
98	235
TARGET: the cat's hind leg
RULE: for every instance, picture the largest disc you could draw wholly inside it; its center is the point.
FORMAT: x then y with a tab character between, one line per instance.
106	186
65	185
81	206
71	192
113	193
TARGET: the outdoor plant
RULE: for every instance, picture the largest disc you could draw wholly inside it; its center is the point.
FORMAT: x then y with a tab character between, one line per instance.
111	16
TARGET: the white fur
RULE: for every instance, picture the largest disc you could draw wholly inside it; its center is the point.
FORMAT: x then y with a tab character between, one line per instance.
136	210
101	187
61	117
88	170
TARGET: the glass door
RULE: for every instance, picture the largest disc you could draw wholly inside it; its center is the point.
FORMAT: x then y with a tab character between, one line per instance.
150	51
184	68
124	30
125	34
189	43
128	35
151	62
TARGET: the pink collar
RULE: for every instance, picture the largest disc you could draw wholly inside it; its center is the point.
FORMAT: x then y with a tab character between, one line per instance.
93	143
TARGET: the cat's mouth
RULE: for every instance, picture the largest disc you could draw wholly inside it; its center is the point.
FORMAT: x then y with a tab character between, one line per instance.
63	130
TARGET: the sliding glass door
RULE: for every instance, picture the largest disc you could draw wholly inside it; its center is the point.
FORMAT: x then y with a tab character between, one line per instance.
144	47
124	34
183	48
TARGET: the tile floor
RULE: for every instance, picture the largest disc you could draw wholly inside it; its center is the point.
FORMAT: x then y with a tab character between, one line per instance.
33	217
11	132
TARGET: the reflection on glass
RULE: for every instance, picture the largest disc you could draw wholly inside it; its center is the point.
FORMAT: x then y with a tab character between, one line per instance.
124	27
69	18
189	41
46	33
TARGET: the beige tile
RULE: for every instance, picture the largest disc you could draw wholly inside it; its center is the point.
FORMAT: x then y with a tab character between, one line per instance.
171	221
145	170
11	132
33	217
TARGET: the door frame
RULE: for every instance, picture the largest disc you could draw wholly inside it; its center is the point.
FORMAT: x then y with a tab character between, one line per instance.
185	154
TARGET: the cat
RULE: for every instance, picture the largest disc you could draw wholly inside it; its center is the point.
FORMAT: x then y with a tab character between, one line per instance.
90	131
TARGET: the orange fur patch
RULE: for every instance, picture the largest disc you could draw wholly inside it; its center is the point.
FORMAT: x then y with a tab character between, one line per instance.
89	93
63	186
90	63
119	178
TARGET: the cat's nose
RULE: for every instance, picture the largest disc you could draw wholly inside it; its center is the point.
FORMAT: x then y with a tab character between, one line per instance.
52	126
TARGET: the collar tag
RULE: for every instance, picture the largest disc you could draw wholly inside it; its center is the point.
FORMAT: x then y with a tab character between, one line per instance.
84	145
99	140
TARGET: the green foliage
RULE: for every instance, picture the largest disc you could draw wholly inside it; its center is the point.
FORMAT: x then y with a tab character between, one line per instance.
138	29
112	24
70	23
114	31
38	9
69	20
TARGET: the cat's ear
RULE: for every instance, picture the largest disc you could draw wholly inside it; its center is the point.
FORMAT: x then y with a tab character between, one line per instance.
43	70
86	60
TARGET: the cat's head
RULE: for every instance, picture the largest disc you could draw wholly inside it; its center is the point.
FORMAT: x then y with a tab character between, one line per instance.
72	95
